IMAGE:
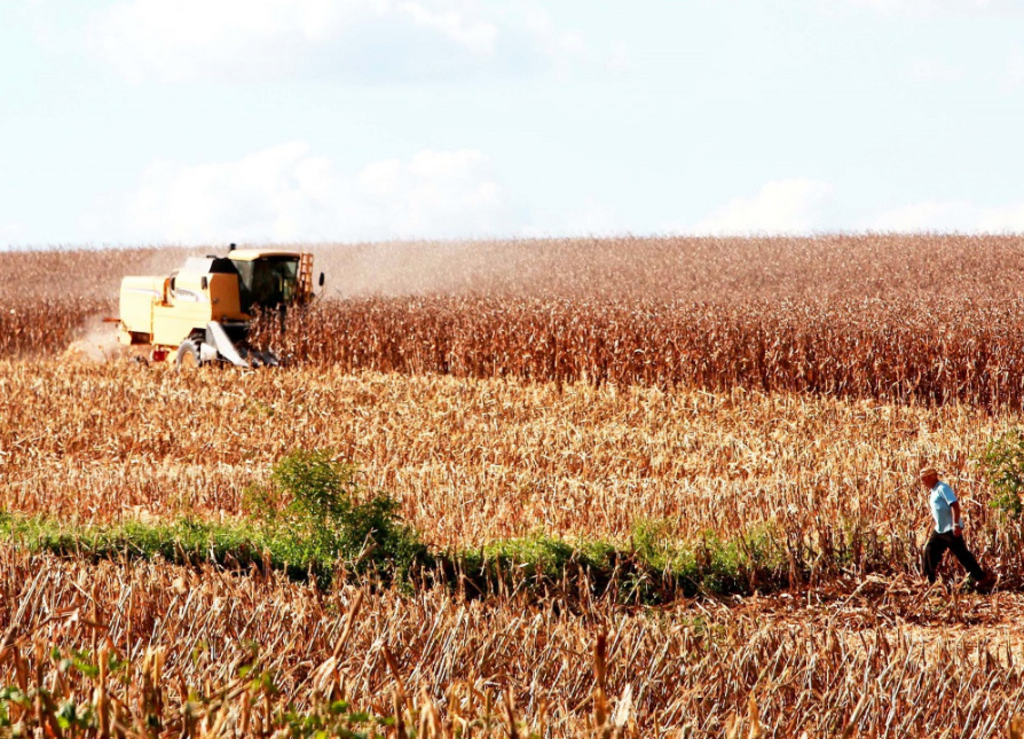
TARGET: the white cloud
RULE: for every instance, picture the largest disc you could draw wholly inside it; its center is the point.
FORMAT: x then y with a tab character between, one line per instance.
564	48
358	39
286	193
949	215
11	232
931	69
780	207
591	217
963	216
1008	218
475	35
932	7
1013	76
619	60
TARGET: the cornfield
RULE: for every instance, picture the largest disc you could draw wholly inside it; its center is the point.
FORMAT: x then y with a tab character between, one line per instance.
652	394
924	319
934	351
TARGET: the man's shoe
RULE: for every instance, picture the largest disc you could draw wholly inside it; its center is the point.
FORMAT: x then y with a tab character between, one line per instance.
986	583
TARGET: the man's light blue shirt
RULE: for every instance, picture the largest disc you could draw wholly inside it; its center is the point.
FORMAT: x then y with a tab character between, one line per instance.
941	499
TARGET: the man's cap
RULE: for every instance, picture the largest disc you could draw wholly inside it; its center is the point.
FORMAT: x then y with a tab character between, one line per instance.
926	471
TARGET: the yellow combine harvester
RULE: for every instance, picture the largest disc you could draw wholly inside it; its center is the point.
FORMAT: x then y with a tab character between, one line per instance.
201	313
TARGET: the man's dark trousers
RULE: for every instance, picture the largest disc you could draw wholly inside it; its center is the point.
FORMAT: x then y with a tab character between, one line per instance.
937	546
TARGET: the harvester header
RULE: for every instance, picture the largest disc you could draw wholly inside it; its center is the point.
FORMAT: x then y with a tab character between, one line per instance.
202	312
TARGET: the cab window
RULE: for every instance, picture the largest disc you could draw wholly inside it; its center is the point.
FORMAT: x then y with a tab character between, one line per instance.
269	282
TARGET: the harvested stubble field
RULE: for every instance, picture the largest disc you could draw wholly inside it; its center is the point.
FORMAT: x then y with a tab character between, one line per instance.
185	645
762	400
472	461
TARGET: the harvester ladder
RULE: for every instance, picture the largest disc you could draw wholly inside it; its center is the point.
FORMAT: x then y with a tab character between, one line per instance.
305	277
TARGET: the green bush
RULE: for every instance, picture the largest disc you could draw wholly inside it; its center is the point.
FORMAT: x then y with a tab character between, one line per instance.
656	543
537	556
1003	462
314	507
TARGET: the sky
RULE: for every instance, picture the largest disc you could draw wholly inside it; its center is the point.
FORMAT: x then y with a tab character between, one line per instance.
140	122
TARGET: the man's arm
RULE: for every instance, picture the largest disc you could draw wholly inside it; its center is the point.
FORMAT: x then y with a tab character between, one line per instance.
958	528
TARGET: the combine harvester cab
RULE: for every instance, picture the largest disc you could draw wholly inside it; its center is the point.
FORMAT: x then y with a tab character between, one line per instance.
202	312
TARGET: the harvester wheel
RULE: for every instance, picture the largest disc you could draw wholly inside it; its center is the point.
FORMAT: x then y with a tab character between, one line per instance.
188	355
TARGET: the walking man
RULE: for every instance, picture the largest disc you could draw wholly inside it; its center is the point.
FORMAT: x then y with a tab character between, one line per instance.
949	531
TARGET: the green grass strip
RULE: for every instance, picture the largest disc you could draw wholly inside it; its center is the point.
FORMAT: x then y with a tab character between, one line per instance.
649	568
